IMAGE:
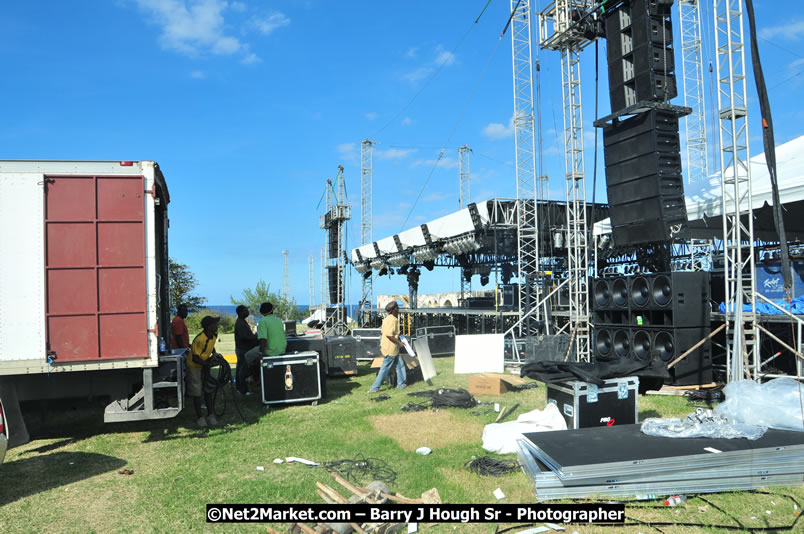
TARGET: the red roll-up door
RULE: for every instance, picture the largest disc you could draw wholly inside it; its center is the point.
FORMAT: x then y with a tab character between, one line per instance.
95	268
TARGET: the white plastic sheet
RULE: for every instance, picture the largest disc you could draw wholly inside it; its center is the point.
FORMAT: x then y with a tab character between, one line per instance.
501	437
775	404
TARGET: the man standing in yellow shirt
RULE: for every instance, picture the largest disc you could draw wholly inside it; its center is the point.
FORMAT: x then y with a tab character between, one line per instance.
198	359
389	346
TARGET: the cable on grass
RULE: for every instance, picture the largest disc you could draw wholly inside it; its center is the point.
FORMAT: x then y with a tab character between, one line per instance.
448	398
362	469
491	467
380	398
414	407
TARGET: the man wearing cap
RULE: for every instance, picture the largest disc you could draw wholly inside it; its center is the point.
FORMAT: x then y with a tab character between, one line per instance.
198	359
389	346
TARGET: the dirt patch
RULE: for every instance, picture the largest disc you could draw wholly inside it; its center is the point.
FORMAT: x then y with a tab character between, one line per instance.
426	429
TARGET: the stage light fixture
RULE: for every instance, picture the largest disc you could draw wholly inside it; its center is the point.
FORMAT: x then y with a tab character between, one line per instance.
467	275
484	280
383	271
429	265
367	275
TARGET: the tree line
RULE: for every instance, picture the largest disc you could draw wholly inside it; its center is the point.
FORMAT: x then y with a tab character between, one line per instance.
183	284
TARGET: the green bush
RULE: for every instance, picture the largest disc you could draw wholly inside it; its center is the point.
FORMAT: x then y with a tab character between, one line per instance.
193	321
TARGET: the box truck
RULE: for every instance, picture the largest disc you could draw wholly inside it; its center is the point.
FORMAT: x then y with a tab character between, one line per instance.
84	288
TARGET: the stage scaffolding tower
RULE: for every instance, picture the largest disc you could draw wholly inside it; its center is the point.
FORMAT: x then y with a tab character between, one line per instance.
311	269
285	275
558	34
526	181
742	337
695	122
463	200
366	219
334	222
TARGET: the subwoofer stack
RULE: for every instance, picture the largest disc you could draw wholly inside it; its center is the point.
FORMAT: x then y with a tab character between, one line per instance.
643	152
658	316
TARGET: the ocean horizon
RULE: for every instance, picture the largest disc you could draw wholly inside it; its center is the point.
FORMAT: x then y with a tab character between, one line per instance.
229	309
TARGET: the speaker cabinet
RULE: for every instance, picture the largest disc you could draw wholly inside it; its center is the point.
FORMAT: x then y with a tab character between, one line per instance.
667	344
640	57
643	178
612	342
663	344
678	299
610	293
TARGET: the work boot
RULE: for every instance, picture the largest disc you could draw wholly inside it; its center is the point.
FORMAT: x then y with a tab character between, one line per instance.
202	422
211	420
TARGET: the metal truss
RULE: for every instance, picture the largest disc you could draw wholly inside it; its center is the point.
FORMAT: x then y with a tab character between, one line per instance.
742	341
695	123
558	34
366	217
528	220
463	200
334	222
311	270
285	275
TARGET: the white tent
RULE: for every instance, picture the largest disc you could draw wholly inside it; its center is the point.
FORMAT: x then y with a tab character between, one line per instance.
704	198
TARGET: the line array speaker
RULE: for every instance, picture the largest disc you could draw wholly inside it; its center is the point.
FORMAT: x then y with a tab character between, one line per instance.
643	177
640	56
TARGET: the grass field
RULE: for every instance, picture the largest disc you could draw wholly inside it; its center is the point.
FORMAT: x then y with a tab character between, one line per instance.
67	478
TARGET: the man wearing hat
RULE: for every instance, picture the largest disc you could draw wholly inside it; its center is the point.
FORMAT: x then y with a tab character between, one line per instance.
389	346
201	350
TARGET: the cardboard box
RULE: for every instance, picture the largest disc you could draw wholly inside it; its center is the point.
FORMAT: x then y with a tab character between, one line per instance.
410	362
493	383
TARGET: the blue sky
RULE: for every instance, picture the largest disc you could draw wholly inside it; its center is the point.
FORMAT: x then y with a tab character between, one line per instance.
250	106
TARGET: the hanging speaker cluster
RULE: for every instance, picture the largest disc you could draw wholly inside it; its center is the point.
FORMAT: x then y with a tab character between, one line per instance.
643	153
655	317
640	56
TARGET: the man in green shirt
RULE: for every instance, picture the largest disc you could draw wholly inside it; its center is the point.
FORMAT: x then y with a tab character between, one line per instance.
271	332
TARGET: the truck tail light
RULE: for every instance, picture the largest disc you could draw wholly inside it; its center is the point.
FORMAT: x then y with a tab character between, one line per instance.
2	421
126	163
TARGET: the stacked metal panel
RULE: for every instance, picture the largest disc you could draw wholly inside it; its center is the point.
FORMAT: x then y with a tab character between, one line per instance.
621	461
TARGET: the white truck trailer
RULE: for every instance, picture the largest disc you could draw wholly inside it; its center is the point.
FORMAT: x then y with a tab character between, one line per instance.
84	288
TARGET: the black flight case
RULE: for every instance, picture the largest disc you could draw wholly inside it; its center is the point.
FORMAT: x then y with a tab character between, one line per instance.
292	378
440	339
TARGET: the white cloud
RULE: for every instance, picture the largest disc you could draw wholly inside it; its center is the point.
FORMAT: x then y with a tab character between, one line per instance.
372	116
395	153
407	121
238	6
191	29
347	151
437	197
444	57
496	130
266	25
250	59
444	163
198	74
791	31
411	53
418	74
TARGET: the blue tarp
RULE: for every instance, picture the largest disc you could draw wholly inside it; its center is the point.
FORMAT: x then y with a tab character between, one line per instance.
796	306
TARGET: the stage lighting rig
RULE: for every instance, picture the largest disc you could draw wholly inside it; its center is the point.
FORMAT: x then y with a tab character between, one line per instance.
484	279
429	265
383	271
399	260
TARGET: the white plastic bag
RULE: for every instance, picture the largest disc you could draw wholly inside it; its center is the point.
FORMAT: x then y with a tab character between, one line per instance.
501	437
774	404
